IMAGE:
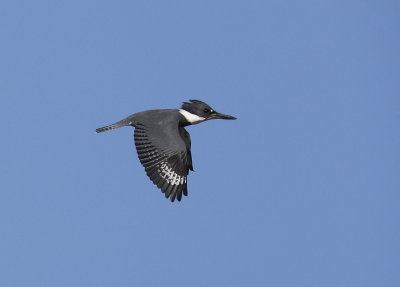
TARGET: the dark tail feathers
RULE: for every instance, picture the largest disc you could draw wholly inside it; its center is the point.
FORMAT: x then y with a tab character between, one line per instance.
114	126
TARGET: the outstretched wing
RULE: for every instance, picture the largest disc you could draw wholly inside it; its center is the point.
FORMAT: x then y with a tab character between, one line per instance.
165	154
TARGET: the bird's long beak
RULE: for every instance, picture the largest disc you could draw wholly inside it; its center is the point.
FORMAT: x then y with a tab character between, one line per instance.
217	115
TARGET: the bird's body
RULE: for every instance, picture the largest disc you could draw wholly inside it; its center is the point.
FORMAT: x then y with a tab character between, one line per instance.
163	145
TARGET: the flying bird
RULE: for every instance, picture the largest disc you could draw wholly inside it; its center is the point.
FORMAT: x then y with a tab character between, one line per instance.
163	145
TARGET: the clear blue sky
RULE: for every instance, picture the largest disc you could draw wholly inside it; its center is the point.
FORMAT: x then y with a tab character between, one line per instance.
302	190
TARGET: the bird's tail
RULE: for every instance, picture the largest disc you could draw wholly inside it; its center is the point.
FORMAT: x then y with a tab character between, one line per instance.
114	126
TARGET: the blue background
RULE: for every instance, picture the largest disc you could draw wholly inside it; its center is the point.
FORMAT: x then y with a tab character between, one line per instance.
302	190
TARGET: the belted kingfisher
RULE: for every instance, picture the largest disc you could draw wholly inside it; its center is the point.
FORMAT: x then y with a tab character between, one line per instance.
163	144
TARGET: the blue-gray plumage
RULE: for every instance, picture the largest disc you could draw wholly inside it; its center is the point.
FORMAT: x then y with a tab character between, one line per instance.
163	144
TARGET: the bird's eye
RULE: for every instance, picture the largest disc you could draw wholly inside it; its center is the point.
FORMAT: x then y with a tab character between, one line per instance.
206	110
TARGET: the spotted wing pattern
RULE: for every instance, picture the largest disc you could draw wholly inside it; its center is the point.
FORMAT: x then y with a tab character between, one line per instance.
167	164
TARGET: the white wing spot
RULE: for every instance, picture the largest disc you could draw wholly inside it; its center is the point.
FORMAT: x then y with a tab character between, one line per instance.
169	175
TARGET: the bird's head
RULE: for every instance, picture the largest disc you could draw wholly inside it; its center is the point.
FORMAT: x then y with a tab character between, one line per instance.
197	111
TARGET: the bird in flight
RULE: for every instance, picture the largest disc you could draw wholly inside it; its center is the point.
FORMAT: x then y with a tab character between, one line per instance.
163	144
